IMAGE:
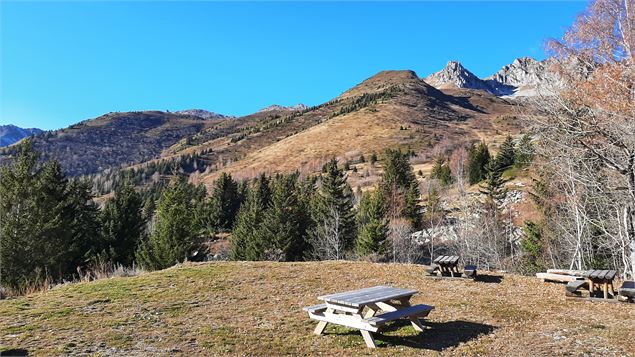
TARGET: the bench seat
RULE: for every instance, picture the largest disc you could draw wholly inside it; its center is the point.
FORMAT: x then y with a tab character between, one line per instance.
410	311
432	268
315	309
627	289
469	271
576	285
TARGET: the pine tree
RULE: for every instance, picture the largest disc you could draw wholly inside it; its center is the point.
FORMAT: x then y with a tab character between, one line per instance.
399	187
524	152
505	157
479	158
176	234
245	240
494	186
373	227
441	171
532	244
122	226
224	203
285	222
333	214
45	221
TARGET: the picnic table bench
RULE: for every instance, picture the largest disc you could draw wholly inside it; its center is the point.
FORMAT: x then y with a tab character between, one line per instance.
359	309
596	281
448	266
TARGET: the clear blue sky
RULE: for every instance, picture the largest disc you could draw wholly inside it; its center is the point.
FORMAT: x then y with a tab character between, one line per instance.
65	62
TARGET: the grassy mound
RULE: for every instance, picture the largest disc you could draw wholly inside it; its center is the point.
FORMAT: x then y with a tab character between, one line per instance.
256	309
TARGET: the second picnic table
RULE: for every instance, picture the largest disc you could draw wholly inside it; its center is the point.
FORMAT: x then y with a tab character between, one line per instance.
358	309
601	279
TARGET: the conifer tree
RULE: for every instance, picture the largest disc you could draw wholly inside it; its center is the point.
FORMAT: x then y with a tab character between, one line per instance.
399	187
122	226
373	226
285	223
224	203
524	152
176	234
479	157
245	240
333	215
505	157
494	185
441	171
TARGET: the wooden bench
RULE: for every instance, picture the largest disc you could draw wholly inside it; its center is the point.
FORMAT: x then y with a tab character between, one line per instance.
414	311
315	309
627	291
573	287
469	271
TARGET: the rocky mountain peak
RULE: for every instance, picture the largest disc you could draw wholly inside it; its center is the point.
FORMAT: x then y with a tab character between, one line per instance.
202	113
455	75
298	106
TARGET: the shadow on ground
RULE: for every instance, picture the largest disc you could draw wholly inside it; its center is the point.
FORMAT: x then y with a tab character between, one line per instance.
437	337
489	279
14	352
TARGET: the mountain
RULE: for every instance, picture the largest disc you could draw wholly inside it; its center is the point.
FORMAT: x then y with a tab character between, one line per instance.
10	134
523	77
202	113
115	139
454	75
392	109
272	107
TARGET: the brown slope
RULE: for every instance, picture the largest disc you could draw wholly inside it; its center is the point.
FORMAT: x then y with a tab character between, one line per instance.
115	139
397	110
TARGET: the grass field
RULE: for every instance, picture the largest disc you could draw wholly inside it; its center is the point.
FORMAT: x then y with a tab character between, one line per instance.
255	308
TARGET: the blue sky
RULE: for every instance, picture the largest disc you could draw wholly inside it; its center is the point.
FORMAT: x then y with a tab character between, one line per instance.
65	62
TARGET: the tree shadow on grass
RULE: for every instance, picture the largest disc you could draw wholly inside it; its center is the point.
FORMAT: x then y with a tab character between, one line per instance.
489	279
14	352
437	337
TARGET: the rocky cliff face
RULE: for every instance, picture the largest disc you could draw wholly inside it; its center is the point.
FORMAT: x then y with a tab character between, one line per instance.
201	113
10	134
298	106
522	77
457	76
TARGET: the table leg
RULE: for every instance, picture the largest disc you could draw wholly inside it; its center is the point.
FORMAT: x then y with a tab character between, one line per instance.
416	323
606	289
590	288
321	325
368	338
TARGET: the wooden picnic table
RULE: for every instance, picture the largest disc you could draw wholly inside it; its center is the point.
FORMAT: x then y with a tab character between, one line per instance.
600	280
359	309
448	264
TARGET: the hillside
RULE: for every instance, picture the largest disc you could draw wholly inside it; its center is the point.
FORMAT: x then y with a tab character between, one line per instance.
393	109
256	308
10	134
116	139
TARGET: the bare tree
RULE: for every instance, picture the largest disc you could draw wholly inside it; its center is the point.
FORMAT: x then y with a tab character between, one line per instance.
329	244
591	119
404	247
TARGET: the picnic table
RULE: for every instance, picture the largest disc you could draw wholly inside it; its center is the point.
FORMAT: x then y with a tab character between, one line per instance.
447	264
600	280
359	309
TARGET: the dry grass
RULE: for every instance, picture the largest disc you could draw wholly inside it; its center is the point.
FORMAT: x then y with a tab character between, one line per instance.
255	309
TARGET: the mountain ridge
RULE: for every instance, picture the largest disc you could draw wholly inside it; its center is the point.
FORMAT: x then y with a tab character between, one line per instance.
11	134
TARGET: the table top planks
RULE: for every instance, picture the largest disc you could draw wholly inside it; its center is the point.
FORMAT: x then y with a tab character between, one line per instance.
600	274
446	260
361	297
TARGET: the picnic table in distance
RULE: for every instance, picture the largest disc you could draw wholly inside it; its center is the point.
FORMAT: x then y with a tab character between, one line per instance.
595	281
359	309
447	265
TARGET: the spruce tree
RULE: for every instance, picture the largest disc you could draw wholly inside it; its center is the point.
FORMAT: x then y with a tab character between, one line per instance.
285	223
505	157
176	234
524	152
441	171
224	203
122	226
399	187
373	227
494	185
245	239
479	158
333	214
